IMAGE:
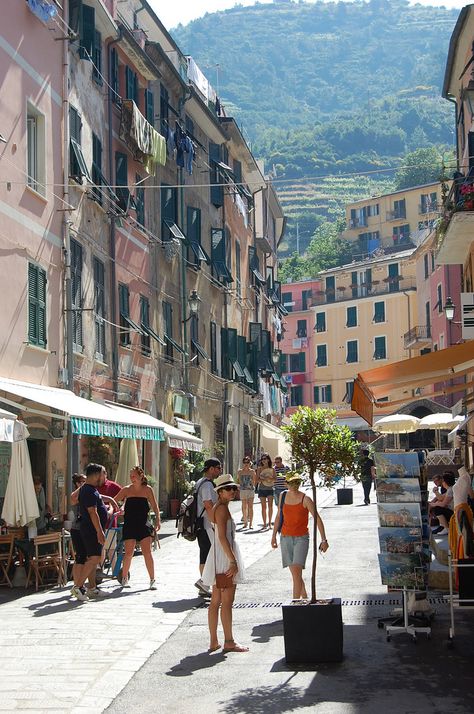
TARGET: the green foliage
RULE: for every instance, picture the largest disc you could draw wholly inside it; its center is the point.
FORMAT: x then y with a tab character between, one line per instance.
419	167
326	250
323	446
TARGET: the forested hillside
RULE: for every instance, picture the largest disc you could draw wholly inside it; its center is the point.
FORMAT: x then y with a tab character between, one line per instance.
329	89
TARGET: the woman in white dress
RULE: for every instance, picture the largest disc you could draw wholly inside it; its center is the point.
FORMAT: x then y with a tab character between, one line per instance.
224	558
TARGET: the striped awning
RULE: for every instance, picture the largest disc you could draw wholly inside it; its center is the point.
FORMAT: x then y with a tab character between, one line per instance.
93	427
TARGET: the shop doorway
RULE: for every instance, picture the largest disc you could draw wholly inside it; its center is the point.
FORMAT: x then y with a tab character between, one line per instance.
37	450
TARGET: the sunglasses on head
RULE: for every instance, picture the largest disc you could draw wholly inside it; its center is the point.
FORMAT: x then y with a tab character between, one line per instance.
229	488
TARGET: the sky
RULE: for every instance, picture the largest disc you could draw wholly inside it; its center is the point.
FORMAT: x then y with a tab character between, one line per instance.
172	13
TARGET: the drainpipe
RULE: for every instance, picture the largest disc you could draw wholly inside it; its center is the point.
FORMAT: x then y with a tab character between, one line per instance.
113	272
71	441
225	404
183	283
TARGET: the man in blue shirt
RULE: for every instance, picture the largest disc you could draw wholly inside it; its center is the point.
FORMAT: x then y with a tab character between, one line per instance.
280	484
92	526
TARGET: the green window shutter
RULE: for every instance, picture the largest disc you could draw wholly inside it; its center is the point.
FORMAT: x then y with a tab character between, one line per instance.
217	192
213	340
368	277
131	85
354	283
224	353
87	32
124	300
316	395
237	171
97	58
328	393
284	363
32	304
252	363
302	362
99	307
76	289
149	107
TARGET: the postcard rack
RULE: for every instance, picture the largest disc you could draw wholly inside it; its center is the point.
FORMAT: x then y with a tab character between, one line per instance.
405	623
454	600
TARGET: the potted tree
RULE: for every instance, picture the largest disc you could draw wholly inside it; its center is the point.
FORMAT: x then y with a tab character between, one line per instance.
351	473
313	632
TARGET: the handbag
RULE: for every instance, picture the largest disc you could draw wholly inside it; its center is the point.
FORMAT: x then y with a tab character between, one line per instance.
223	581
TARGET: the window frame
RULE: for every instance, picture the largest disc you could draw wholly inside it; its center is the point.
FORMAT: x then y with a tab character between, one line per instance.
380	354
326	360
375	320
98	268
348	350
35	149
37	333
352	310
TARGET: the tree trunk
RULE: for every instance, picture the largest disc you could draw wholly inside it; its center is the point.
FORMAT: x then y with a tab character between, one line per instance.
315	540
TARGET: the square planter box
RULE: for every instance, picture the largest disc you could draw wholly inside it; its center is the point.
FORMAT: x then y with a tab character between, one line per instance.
344	496
313	633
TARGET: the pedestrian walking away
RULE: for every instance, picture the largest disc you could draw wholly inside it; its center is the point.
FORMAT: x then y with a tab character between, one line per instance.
206	497
137	499
368	473
280	484
93	518
224	567
291	521
266	478
247	479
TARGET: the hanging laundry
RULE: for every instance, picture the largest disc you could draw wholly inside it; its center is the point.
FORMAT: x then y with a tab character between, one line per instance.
189	149
180	141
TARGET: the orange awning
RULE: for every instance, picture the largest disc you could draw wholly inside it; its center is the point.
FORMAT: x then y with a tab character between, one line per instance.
435	367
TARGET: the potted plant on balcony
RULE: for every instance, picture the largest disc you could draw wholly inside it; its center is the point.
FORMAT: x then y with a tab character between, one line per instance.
313	632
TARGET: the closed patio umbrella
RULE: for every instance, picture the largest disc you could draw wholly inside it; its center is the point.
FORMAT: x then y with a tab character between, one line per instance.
397	424
20	506
128	459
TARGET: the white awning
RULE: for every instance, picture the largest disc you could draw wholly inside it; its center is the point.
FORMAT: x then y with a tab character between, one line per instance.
454	432
87	416
273	441
178	439
10	429
354	423
185	425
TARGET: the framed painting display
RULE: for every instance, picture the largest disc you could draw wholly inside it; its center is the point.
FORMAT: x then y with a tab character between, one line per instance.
401	570
398	490
401	465
399	515
400	540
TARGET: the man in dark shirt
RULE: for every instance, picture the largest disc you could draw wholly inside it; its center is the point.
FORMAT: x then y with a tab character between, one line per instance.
367	468
92	524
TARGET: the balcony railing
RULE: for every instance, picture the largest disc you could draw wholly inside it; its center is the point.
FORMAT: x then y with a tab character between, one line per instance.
376	288
421	334
358	223
297	305
455	229
424	208
396	215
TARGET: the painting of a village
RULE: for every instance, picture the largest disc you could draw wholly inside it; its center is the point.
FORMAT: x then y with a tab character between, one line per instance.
401	570
402	465
400	540
399	515
398	490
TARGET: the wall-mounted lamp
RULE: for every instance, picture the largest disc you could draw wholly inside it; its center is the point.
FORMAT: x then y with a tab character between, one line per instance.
194	302
449	308
276	356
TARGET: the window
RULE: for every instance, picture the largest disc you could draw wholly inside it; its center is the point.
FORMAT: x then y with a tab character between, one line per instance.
287	301
197	350
77	165
331	289
380	348
301	330
428	202
97	58
351	320
215	178
99	308
320	322
196	254
220	271
114	75
145	324
352	351
305	296
399	209
213	336
426	265
323	394
349	392
379	312
82	22
298	362
131	85
393	278
321	356
121	180
96	173
433	262
401	234
76	290
284	363
238	277
149	107
35	149
439	304
428	315
296	396
169	205
168	326
124	308
373	209
140	200
256	277
164	110
36	305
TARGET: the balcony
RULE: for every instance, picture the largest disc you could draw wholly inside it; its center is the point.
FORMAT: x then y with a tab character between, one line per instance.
454	245
396	215
418	337
358	223
376	288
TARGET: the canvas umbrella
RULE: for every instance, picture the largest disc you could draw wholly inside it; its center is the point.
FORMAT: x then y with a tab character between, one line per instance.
128	459
20	506
440	421
397	424
10	428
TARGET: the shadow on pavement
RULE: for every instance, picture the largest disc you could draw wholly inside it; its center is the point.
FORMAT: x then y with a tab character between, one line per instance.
265	700
189	665
179	605
263	633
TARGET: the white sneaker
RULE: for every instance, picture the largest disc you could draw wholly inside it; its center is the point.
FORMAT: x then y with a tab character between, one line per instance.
79	593
153	584
204	590
95	592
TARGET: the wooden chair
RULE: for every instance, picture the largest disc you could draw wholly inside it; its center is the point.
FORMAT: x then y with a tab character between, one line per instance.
6	558
48	557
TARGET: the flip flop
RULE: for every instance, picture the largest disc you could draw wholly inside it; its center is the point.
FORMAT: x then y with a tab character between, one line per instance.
235	648
214	649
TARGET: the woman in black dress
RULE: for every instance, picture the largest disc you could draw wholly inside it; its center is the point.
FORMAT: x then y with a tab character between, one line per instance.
137	499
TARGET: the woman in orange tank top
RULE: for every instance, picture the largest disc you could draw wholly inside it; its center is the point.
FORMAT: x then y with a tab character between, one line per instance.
294	541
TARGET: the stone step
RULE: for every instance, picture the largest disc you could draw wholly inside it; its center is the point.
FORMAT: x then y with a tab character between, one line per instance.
438	578
439	548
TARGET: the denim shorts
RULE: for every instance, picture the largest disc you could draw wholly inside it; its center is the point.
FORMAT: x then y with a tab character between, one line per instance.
294	550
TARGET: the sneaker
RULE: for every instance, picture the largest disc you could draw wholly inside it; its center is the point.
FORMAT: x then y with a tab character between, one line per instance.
443	531
437	531
202	588
204	593
79	593
152	584
95	592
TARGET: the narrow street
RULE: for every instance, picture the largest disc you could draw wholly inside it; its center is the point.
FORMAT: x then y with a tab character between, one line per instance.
143	651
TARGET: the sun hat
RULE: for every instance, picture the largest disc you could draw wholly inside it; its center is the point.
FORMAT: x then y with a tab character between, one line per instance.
293	477
224	480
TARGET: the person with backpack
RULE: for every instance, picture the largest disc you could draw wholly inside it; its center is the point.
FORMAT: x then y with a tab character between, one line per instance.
294	508
206	497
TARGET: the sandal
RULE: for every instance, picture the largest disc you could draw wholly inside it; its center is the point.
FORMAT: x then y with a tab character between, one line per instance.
235	648
214	649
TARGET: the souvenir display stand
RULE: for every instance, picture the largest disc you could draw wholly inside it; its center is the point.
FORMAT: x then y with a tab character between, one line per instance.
455	600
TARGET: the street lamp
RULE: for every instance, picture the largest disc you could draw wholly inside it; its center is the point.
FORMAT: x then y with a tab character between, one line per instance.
276	356
193	301
449	308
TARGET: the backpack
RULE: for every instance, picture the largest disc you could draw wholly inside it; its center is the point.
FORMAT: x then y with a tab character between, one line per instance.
282	503
188	522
